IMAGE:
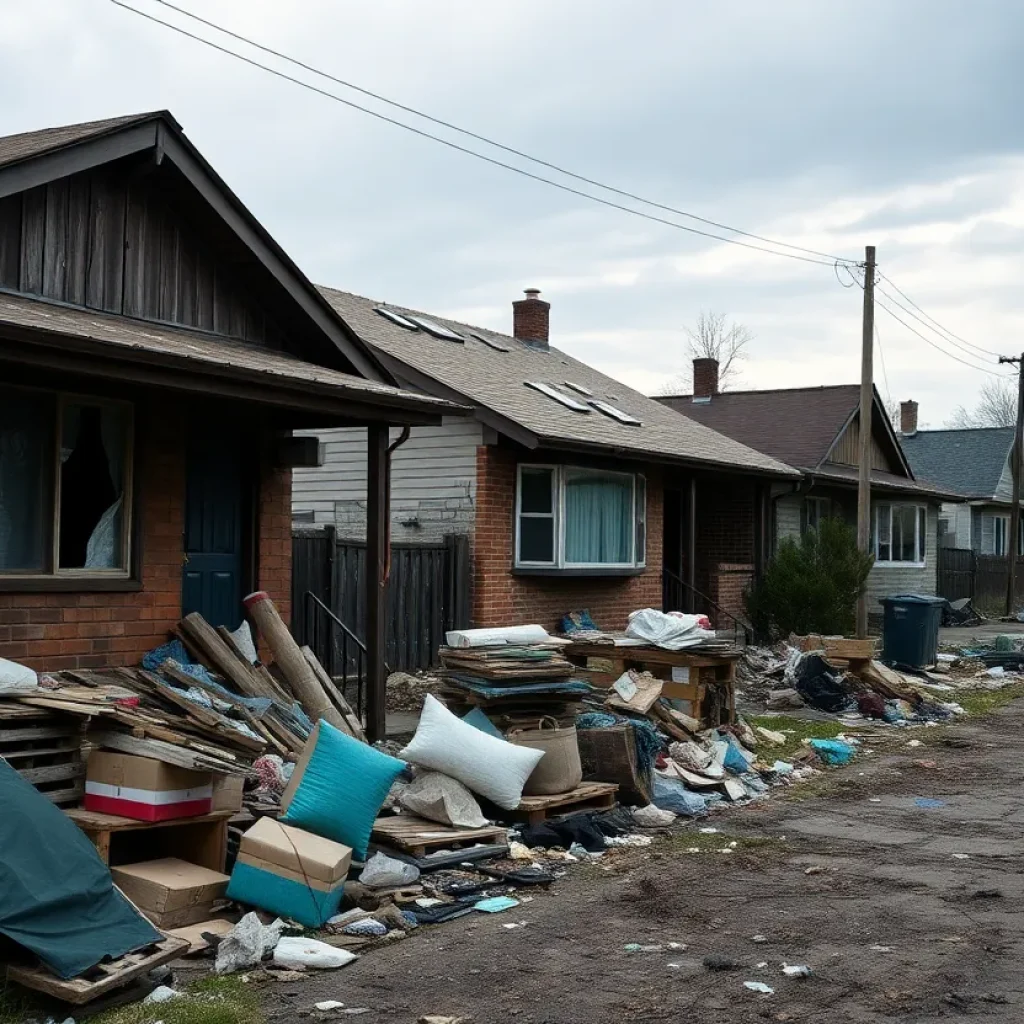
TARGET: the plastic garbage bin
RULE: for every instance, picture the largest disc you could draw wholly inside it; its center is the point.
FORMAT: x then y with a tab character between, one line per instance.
910	629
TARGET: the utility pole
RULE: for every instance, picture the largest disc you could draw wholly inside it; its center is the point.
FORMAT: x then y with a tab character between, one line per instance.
1016	464
867	395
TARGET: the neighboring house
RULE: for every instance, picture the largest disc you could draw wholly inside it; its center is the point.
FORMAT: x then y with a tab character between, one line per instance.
575	490
816	431
976	463
157	349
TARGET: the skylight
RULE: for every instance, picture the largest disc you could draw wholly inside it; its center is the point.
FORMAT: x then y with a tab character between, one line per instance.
490	342
579	388
615	413
435	329
395	318
552	392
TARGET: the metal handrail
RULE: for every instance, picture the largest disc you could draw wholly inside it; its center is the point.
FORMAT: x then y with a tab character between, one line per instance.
311	597
739	625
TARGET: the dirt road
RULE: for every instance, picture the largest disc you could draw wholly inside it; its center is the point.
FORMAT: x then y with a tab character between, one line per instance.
853	876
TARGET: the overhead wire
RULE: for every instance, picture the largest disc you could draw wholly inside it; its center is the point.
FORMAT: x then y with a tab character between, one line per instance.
812	257
881	359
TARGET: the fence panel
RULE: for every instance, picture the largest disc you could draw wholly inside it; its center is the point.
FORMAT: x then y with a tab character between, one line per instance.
955	573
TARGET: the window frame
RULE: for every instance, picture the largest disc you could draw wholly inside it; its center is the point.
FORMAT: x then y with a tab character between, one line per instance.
824	507
55	577
638	517
920	534
1001	524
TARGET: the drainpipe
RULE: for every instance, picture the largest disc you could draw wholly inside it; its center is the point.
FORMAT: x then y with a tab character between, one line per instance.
397	443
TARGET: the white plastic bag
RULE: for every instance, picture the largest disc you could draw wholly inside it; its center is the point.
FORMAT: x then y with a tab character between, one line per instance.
491	767
442	799
16	677
497	636
653	817
243	638
382	871
299	953
670	632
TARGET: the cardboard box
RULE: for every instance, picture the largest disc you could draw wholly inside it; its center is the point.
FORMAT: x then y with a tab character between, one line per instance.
228	791
145	789
290	872
171	892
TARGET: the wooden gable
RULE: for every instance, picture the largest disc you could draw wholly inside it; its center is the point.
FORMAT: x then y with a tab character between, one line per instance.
119	239
886	454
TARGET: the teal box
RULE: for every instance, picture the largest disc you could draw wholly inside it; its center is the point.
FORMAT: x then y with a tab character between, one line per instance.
290	899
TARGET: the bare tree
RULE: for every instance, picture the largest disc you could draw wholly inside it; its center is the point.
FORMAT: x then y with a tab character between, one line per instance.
892	410
713	337
997	406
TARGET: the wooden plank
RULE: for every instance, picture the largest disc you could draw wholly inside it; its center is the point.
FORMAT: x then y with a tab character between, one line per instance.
55	240
103	977
77	238
97	821
105	273
273	687
589	796
216	655
352	723
33	228
70	747
193	933
417	835
10	241
66	795
53	772
168	752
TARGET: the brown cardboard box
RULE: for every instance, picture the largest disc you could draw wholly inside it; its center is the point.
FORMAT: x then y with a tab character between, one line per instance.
144	788
227	792
300	768
292	853
171	892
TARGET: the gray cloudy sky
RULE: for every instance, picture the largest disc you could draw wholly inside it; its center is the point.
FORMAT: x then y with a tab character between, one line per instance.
830	125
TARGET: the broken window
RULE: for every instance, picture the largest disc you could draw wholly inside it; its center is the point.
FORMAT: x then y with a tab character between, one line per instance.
900	534
64	484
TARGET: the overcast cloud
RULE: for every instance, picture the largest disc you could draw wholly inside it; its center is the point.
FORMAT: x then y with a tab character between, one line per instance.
830	125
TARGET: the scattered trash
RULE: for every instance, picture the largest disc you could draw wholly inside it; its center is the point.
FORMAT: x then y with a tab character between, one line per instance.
368	926
514	924
708	831
329	1004
928	802
496	904
247	943
880	949
833	752
961	856
636	947
915	743
759	938
759	986
814	869
300	953
796	970
714	962
382	872
162	994
653	817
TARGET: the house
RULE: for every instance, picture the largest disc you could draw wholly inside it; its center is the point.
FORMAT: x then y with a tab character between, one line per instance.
575	490
157	349
816	431
974	462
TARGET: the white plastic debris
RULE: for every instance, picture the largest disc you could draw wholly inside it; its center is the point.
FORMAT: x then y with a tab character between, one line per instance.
709	831
759	986
519	851
382	871
677	945
162	994
961	856
996	671
915	743
299	953
246	943
329	1004
243	638
759	938
628	840
880	949
15	678
652	817
796	970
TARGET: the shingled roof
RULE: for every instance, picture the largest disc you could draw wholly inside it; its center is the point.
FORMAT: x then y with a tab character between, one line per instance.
969	461
495	382
27	145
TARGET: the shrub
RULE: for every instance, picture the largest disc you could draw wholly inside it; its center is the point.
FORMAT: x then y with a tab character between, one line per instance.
811	585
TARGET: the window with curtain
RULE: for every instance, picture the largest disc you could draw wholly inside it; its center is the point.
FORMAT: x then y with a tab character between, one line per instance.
572	517
812	513
900	534
65	469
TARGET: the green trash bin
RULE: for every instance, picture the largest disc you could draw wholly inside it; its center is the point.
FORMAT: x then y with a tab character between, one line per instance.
910	629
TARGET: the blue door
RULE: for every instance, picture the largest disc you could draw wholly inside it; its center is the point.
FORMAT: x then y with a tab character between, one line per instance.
215	500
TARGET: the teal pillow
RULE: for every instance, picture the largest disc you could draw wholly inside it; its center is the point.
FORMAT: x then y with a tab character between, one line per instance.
479	720
342	789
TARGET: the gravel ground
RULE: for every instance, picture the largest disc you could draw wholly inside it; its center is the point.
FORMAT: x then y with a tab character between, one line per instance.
848	874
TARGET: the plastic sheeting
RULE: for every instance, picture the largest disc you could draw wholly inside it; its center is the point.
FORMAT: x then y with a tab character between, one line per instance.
670	632
56	896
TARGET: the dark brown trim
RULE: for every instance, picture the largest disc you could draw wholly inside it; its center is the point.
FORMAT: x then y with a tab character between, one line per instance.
376	559
67	585
579	573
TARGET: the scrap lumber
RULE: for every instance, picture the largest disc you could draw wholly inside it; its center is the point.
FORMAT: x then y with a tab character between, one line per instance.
888	683
353	726
216	654
289	660
648	691
185	757
272	684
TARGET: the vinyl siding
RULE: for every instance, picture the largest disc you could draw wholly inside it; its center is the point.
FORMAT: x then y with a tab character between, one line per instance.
433	481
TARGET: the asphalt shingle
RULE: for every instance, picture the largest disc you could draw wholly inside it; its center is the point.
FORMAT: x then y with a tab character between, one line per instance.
31	144
969	462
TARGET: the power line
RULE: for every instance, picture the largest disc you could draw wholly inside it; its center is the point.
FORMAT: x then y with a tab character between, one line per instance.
927	340
827	262
881	359
945	330
488	141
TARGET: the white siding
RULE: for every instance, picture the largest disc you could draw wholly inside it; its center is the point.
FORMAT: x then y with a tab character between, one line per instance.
433	481
959	516
787	517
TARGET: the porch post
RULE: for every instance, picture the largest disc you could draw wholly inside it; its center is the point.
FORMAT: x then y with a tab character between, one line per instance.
377	494
691	553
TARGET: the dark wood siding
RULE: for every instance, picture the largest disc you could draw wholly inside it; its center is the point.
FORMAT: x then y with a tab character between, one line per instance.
116	242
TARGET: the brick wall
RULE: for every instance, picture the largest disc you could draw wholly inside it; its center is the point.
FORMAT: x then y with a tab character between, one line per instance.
55	631
500	598
725	526
729	580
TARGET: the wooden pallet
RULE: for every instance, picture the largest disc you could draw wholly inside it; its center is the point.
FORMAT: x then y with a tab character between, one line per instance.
102	978
417	836
591	796
201	840
45	749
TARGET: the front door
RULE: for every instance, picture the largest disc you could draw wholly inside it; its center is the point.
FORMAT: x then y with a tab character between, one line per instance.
216	501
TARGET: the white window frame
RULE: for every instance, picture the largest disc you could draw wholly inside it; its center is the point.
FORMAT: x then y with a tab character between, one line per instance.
824	507
558	477
888	507
1001	533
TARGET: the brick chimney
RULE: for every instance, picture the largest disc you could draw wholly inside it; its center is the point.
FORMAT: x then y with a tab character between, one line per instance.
908	418
705	378
530	319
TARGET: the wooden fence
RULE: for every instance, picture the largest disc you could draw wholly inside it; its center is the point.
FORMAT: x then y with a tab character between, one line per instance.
962	573
427	594
955	573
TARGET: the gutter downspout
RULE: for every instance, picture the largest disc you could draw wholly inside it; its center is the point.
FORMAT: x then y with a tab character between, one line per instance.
397	443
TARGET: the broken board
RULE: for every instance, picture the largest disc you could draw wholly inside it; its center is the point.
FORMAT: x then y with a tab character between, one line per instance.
417	835
591	796
102	978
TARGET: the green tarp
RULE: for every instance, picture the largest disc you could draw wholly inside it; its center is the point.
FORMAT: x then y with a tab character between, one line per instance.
56	895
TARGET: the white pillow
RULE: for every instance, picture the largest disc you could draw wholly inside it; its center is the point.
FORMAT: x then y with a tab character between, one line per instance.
491	767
